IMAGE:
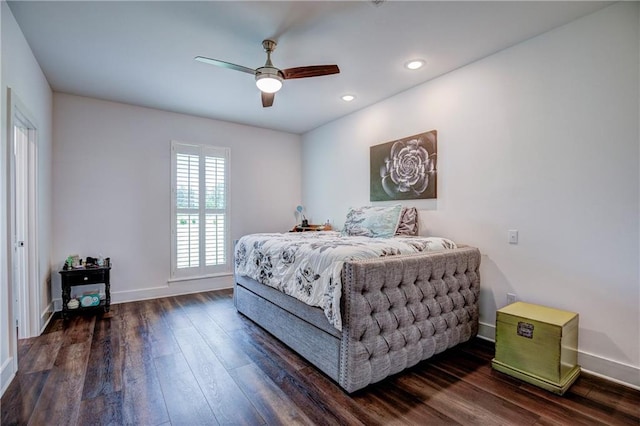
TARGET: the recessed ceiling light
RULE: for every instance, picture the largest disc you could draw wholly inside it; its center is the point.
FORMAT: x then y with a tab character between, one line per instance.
348	98
414	64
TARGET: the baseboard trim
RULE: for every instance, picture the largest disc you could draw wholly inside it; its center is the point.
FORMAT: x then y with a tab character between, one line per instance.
615	371
487	332
6	374
46	316
175	289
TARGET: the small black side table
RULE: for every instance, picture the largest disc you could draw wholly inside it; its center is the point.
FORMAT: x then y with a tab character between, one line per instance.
74	277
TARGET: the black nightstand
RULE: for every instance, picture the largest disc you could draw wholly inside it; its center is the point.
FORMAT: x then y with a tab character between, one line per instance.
75	277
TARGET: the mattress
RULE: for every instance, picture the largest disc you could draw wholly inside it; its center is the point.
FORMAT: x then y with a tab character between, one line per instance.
308	265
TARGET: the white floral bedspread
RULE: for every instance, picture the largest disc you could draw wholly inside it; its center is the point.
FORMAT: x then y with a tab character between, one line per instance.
308	265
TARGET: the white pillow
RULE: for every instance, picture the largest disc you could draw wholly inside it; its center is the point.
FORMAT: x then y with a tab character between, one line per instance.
373	221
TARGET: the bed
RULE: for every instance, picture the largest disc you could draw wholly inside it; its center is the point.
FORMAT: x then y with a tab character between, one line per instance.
395	309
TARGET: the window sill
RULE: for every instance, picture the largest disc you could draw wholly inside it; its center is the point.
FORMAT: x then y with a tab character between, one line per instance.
199	277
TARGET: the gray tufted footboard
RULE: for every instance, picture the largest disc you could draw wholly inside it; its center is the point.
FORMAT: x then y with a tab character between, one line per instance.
396	310
399	311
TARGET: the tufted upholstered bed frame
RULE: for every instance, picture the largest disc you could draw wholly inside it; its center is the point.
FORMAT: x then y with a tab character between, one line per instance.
396	312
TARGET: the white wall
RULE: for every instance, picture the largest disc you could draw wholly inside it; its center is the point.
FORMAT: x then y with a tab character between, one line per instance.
111	179
542	137
23	75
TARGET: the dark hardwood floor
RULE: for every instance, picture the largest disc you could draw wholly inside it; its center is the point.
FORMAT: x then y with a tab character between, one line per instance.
194	360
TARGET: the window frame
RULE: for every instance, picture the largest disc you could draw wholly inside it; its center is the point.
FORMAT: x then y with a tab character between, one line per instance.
202	270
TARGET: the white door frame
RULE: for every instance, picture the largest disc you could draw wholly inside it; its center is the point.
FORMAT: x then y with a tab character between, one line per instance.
25	293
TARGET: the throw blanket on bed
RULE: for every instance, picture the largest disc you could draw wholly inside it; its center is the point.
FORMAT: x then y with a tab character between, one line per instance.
308	265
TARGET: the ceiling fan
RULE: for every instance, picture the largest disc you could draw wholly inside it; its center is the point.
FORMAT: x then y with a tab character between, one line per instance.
269	78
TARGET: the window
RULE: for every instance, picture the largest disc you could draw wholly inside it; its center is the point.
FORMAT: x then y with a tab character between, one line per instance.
200	210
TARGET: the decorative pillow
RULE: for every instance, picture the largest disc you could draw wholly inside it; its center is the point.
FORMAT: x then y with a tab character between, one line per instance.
373	221
408	222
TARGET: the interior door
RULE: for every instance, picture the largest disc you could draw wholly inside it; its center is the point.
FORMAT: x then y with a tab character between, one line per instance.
26	291
20	228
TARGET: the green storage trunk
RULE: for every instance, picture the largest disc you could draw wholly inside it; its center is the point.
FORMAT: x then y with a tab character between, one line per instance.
537	344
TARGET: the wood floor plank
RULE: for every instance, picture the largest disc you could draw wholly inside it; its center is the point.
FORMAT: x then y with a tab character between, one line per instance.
185	401
79	329
142	398
598	412
573	404
222	298
621	399
160	337
227	401
42	353
21	398
24	345
143	402
393	404
137	352
222	311
314	406
461	401
268	398
61	395
470	370
275	348
173	314
229	354
105	365
105	409
225	349
359	407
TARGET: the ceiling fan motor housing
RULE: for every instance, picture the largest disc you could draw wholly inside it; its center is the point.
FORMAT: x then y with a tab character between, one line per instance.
269	45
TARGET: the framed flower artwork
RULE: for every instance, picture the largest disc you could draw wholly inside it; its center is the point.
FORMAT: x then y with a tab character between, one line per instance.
405	169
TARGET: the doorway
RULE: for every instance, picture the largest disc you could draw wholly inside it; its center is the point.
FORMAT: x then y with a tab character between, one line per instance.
23	159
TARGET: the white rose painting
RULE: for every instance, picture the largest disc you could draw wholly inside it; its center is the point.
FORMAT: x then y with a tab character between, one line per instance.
405	169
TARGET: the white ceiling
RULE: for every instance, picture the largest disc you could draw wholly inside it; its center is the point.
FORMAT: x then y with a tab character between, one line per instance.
142	52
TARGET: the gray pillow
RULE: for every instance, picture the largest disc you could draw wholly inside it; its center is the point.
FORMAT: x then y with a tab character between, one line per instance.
408	224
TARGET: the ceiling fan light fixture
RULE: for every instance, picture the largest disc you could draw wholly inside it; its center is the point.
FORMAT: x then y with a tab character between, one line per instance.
414	64
269	83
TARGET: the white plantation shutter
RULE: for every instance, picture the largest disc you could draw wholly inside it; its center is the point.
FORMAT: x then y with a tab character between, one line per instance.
200	182
187	202
215	207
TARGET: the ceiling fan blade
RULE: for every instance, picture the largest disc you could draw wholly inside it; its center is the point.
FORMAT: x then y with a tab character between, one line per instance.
267	99
310	71
224	64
